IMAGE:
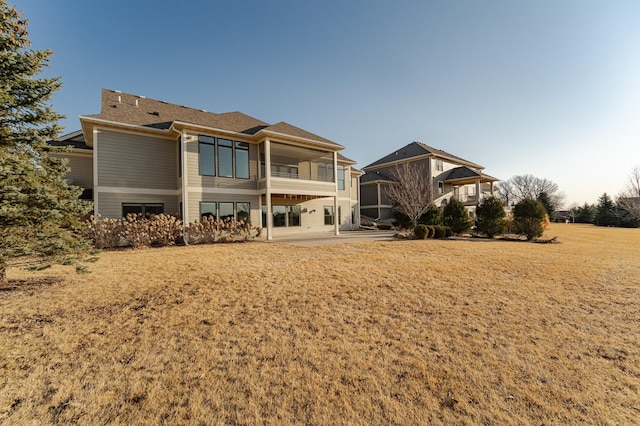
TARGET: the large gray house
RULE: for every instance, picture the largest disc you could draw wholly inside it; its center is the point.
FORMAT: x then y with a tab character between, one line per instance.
451	176
140	155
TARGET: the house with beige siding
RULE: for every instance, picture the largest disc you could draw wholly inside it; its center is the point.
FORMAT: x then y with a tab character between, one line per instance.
140	155
451	177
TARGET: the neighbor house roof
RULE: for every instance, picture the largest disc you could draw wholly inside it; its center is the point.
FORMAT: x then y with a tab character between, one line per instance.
374	177
417	149
124	108
464	172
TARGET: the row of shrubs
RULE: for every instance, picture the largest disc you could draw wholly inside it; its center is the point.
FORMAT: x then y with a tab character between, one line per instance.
422	232
137	231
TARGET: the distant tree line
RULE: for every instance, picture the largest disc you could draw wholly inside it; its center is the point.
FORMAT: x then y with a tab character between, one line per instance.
623	211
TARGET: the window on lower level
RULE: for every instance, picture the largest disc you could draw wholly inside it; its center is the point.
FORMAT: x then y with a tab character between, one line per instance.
328	215
142	208
440	187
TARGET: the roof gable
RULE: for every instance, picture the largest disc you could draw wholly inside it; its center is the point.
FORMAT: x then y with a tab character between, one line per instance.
417	149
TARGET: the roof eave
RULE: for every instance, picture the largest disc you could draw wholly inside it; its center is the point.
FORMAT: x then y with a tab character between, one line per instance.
334	146
89	122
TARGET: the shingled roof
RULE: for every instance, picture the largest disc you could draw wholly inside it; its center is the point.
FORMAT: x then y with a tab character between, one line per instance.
416	149
464	172
142	111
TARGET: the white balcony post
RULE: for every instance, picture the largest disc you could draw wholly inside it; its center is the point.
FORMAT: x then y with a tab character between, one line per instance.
267	174
335	198
477	191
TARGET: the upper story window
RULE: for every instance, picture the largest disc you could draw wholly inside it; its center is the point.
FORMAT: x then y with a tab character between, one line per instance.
325	172
439	165
341	177
207	152
223	157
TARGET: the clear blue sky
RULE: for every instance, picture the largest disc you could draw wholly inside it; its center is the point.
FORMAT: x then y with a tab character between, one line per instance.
546	87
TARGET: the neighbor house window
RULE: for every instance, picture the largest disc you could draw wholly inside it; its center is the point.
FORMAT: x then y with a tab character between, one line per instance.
208	209
225	157
242	160
440	187
225	211
340	177
325	172
142	208
439	165
207	153
328	215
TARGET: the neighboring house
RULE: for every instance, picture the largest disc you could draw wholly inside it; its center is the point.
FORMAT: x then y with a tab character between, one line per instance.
141	155
452	177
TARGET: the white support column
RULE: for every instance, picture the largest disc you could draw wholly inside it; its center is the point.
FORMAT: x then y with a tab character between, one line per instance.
336	218
267	174
477	191
491	187
379	199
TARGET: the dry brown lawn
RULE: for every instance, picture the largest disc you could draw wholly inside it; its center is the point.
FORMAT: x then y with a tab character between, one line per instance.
401	332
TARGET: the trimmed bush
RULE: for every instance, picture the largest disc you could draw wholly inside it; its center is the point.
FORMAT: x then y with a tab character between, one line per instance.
455	216
529	218
160	230
103	233
448	232
440	231
490	217
431	231
421	232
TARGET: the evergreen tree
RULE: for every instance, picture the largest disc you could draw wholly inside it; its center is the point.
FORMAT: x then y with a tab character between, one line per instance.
585	213
455	216
37	207
529	217
490	217
431	217
548	205
606	212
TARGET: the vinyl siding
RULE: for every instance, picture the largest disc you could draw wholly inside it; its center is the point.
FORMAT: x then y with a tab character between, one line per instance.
134	161
81	169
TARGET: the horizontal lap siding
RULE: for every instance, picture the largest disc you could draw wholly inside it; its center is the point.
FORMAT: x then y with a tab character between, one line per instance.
134	161
111	203
81	169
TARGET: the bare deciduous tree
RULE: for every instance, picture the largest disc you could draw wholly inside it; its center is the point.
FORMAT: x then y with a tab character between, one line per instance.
629	199
412	190
519	187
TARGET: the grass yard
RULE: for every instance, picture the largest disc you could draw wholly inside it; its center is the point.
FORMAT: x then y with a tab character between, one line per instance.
401	332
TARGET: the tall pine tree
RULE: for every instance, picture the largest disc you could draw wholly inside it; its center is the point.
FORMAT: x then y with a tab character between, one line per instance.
37	207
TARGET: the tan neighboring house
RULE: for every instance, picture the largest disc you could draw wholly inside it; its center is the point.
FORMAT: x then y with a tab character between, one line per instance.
452	177
141	155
